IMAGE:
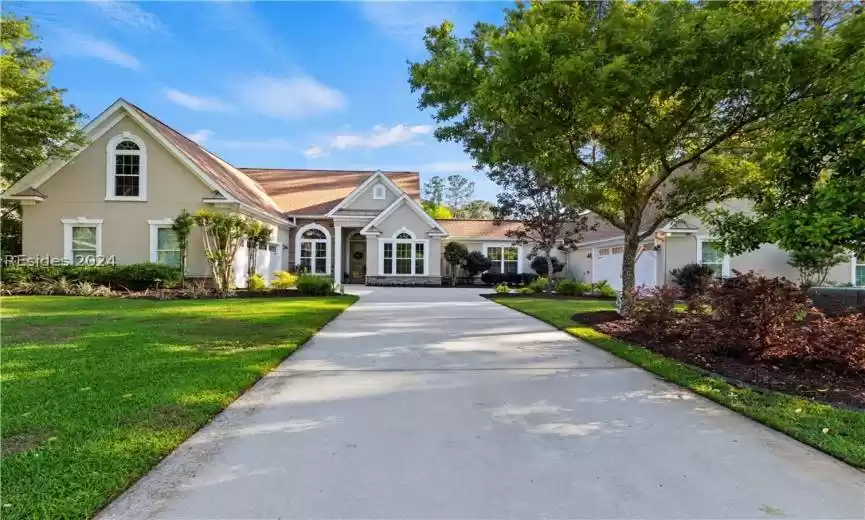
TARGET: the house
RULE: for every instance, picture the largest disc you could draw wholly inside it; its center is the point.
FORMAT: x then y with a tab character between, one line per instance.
114	200
683	241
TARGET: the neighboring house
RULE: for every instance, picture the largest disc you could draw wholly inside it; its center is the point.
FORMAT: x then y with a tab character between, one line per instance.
115	198
683	241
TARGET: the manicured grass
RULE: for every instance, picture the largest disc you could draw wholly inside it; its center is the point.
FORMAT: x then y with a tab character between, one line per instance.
836	431
95	391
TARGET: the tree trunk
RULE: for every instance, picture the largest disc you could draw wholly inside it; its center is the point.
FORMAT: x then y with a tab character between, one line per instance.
454	268
549	271
183	249
629	263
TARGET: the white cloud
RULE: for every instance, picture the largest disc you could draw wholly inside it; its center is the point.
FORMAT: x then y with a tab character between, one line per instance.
314	152
75	44
201	104
294	97
128	15
379	137
200	136
407	21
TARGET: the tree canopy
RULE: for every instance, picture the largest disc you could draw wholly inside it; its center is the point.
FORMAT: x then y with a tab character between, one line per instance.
634	109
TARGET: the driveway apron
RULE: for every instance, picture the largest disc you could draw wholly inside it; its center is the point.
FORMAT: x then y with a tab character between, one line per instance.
436	403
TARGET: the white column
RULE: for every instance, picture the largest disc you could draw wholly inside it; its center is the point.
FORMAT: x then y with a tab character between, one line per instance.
337	259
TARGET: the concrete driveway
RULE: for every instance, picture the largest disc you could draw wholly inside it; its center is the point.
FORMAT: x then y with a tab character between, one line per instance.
436	403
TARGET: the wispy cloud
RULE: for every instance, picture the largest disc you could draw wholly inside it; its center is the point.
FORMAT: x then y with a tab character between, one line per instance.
128	15
295	97
199	103
200	136
76	44
379	137
314	152
407	21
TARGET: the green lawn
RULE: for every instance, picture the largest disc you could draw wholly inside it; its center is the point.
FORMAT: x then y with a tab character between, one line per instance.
95	391
836	431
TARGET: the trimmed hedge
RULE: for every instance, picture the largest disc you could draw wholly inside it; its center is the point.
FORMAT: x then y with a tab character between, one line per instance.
312	285
135	277
509	278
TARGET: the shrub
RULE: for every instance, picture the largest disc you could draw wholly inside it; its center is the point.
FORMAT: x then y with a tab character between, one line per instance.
134	277
255	282
747	309
539	265
502	288
525	290
509	279
814	263
313	285
654	309
476	263
693	278
539	284
455	253
567	288
283	280
583	288
603	288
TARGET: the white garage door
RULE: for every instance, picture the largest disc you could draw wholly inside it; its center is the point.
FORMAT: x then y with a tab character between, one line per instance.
608	266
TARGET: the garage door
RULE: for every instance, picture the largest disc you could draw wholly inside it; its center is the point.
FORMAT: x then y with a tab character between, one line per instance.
608	266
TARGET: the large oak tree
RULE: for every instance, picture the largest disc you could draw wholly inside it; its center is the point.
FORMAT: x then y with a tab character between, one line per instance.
633	108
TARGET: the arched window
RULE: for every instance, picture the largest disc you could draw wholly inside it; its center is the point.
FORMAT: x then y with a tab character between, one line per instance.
313	249
126	168
403	254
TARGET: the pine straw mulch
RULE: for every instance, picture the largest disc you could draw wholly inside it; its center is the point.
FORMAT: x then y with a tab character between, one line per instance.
821	383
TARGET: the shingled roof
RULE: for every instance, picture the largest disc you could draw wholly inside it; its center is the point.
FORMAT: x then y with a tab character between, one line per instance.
226	176
315	192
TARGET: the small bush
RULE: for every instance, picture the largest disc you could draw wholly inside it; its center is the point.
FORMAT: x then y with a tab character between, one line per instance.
583	288
693	278
134	277
313	285
283	280
567	288
539	285
256	283
509	279
502	288
476	263
525	290
654	309
603	288
539	265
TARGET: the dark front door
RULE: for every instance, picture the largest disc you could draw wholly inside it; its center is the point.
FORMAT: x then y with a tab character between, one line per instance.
357	261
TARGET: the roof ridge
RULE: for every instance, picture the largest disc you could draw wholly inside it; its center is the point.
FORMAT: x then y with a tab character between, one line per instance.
385	172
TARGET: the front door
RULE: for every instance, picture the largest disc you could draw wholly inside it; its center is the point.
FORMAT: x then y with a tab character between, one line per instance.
357	260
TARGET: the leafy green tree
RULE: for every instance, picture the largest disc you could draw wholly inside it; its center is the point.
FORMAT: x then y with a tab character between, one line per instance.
434	190
258	235
455	254
810	191
182	227
37	125
633	108
548	221
813	263
437	212
477	209
222	235
476	262
458	192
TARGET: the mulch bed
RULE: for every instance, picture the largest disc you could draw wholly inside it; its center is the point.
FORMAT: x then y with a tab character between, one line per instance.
819	383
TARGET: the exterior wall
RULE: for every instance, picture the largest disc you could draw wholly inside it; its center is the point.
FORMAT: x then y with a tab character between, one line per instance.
580	264
365	200
78	190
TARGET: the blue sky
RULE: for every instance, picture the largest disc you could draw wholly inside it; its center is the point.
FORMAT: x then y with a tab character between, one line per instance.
267	84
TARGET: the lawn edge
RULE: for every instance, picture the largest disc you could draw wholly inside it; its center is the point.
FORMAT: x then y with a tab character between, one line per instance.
717	391
109	500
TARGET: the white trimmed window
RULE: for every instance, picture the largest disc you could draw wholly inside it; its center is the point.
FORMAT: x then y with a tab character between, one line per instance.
313	249
164	247
403	255
709	254
82	240
126	174
504	259
379	192
857	271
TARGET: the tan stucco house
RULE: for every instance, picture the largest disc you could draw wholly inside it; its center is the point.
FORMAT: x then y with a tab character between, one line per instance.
115	198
